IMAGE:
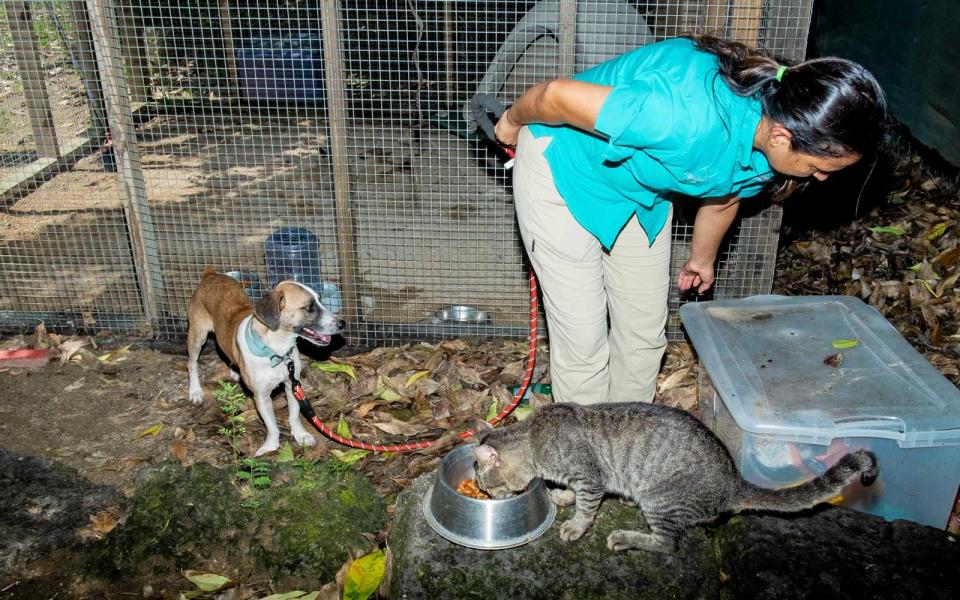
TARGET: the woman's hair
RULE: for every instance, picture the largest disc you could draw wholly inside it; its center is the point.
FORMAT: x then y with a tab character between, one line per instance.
831	106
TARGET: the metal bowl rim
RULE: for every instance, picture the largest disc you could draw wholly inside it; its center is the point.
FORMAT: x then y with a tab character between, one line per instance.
533	486
472	542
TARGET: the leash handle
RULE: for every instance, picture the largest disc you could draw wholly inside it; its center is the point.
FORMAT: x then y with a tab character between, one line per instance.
482	106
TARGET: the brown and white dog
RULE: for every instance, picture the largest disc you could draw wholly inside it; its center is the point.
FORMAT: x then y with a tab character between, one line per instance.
259	340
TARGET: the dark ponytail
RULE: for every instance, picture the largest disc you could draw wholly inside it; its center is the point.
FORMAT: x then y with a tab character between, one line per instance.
831	106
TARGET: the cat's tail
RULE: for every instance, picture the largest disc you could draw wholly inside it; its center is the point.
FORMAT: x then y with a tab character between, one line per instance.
862	463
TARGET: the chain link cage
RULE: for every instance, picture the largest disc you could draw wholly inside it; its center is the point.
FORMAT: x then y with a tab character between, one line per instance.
141	141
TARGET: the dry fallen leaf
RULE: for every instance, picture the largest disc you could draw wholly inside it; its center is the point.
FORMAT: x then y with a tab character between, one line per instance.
673	380
395	426
178	450
103	522
834	360
76	385
70	347
152	430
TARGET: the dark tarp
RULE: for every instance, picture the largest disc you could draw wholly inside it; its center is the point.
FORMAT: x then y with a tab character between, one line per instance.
913	48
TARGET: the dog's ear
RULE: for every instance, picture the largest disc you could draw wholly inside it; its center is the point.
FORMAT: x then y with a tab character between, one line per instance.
268	309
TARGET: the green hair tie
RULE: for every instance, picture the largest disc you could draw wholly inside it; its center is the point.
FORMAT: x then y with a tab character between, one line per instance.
780	72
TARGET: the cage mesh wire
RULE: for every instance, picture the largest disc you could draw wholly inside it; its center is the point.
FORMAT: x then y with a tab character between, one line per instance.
337	126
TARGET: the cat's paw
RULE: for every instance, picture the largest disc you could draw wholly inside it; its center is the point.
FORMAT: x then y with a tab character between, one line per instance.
573	529
621	540
562	496
627	502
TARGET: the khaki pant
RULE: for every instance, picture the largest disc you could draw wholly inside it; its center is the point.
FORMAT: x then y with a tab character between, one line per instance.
582	286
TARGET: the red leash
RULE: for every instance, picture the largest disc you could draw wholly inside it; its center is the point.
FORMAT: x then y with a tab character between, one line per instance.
307	410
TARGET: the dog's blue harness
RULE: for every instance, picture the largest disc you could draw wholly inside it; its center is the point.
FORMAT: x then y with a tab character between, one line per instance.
259	348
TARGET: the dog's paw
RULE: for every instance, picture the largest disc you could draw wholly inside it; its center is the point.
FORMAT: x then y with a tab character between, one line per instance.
573	529
268	447
196	396
304	439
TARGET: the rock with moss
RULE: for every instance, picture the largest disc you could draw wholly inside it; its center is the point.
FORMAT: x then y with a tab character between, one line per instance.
829	552
297	531
428	566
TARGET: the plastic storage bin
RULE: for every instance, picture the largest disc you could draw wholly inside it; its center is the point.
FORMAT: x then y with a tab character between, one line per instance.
787	413
289	68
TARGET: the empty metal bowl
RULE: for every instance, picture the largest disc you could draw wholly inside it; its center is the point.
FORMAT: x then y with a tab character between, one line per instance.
484	524
466	315
250	282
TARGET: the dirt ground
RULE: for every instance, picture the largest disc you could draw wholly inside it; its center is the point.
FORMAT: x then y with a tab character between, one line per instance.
89	416
91	412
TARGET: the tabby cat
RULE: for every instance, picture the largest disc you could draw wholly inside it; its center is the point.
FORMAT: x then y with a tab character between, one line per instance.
664	459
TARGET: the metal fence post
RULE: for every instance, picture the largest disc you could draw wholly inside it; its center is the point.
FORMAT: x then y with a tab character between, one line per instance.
337	122
132	186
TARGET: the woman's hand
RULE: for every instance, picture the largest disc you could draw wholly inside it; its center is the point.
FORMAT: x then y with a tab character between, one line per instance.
713	219
554	102
696	274
507	131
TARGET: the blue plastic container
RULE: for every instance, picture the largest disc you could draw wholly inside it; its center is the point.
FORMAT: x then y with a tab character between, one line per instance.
293	253
289	68
774	389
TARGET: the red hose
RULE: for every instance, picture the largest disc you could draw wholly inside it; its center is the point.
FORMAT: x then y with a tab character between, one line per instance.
410	447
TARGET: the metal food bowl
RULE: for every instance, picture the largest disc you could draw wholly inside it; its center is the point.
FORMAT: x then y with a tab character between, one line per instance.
464	315
250	282
484	524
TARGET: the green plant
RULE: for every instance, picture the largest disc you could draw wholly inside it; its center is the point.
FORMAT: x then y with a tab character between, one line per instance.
337	467
232	401
256	471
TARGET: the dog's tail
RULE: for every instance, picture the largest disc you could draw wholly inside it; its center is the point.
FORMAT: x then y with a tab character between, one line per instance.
861	464
208	271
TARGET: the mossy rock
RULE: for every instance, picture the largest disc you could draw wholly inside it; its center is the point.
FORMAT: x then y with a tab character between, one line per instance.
298	531
828	552
428	566
309	525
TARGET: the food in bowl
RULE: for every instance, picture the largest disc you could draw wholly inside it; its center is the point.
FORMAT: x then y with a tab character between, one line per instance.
469	487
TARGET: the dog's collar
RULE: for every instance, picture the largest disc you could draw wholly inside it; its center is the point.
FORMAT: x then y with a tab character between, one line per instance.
259	348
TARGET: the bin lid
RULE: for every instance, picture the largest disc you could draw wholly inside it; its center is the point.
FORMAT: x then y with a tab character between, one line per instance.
774	362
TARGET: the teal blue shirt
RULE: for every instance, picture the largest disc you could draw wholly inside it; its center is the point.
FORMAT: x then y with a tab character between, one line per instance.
671	125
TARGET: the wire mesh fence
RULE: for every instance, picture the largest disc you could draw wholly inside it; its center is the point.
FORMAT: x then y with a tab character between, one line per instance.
141	141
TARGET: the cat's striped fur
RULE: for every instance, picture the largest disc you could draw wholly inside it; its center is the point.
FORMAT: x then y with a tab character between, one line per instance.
662	458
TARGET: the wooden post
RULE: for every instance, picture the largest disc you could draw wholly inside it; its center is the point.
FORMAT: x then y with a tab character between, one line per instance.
746	17
449	50
715	23
87	59
229	49
134	52
132	187
34	82
567	33
337	122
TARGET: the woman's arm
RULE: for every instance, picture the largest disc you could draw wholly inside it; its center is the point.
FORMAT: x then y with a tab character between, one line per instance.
712	222
554	102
